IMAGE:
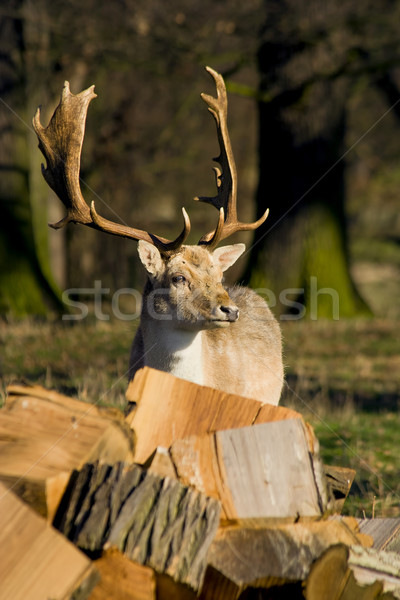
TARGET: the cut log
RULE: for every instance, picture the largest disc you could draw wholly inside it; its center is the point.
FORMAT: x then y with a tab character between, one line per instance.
36	561
385	533
370	565
352	523
254	471
160	462
37	391
168	589
169	409
44	436
155	521
123	579
339	480
244	558
332	577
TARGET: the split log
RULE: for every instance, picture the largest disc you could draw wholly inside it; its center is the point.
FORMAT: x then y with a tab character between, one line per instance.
334	577
169	409
161	463
370	565
339	480
254	472
44	436
155	521
242	559
36	561
123	579
168	589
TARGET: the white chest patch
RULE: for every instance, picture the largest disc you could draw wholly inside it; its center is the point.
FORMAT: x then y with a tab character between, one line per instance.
178	352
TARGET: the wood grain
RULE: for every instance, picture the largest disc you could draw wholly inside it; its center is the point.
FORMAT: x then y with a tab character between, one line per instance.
385	533
44	436
169	409
123	579
36	561
253	471
243	558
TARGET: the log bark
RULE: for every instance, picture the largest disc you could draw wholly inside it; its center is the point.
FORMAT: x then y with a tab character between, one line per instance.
35	560
154	521
44	436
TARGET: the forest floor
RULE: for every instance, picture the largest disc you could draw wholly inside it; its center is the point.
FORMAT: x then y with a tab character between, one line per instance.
343	376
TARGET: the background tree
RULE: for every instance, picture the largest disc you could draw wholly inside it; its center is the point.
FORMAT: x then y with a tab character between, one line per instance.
150	140
26	284
311	58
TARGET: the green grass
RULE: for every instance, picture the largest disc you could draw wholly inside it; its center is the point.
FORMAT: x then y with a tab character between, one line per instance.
368	443
88	360
348	359
343	376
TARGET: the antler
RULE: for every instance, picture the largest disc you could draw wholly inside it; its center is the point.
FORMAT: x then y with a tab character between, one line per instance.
61	144
226	177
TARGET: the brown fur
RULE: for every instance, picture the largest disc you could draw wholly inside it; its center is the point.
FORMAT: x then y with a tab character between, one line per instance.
255	368
188	327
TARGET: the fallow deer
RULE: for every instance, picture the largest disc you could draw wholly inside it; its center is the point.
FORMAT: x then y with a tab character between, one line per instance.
191	324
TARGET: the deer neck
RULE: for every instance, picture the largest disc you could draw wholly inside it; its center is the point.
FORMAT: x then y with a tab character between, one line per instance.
176	351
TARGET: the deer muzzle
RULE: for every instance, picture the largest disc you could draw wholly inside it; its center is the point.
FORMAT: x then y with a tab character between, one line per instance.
226	313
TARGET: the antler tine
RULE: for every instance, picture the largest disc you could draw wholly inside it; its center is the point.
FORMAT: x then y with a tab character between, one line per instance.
61	144
226	177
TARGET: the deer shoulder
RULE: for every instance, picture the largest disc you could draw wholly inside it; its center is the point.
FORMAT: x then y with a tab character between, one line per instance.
252	348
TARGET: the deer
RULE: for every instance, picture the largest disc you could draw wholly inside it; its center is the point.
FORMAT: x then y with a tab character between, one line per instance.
191	324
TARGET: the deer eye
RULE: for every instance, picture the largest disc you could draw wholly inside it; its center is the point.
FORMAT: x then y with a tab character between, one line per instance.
178	279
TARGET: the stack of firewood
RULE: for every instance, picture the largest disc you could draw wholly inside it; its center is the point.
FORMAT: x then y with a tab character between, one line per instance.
196	493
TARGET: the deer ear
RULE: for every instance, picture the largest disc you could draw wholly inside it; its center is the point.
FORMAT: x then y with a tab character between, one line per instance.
226	256
151	258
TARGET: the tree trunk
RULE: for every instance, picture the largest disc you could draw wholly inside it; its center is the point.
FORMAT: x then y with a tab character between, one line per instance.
26	286
299	258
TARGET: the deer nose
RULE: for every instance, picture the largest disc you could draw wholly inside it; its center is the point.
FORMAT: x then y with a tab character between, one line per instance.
231	312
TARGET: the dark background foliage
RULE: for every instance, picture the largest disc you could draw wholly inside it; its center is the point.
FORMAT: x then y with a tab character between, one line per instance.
306	81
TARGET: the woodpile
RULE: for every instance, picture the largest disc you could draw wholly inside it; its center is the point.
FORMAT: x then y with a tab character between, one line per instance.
195	494
44	436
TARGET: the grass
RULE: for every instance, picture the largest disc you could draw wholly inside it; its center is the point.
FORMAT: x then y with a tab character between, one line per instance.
88	360
343	376
345	360
369	444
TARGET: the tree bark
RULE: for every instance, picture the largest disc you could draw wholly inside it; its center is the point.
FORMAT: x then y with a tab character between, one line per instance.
300	256
26	285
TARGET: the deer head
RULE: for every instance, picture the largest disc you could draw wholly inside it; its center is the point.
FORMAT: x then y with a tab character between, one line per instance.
187	290
170	264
